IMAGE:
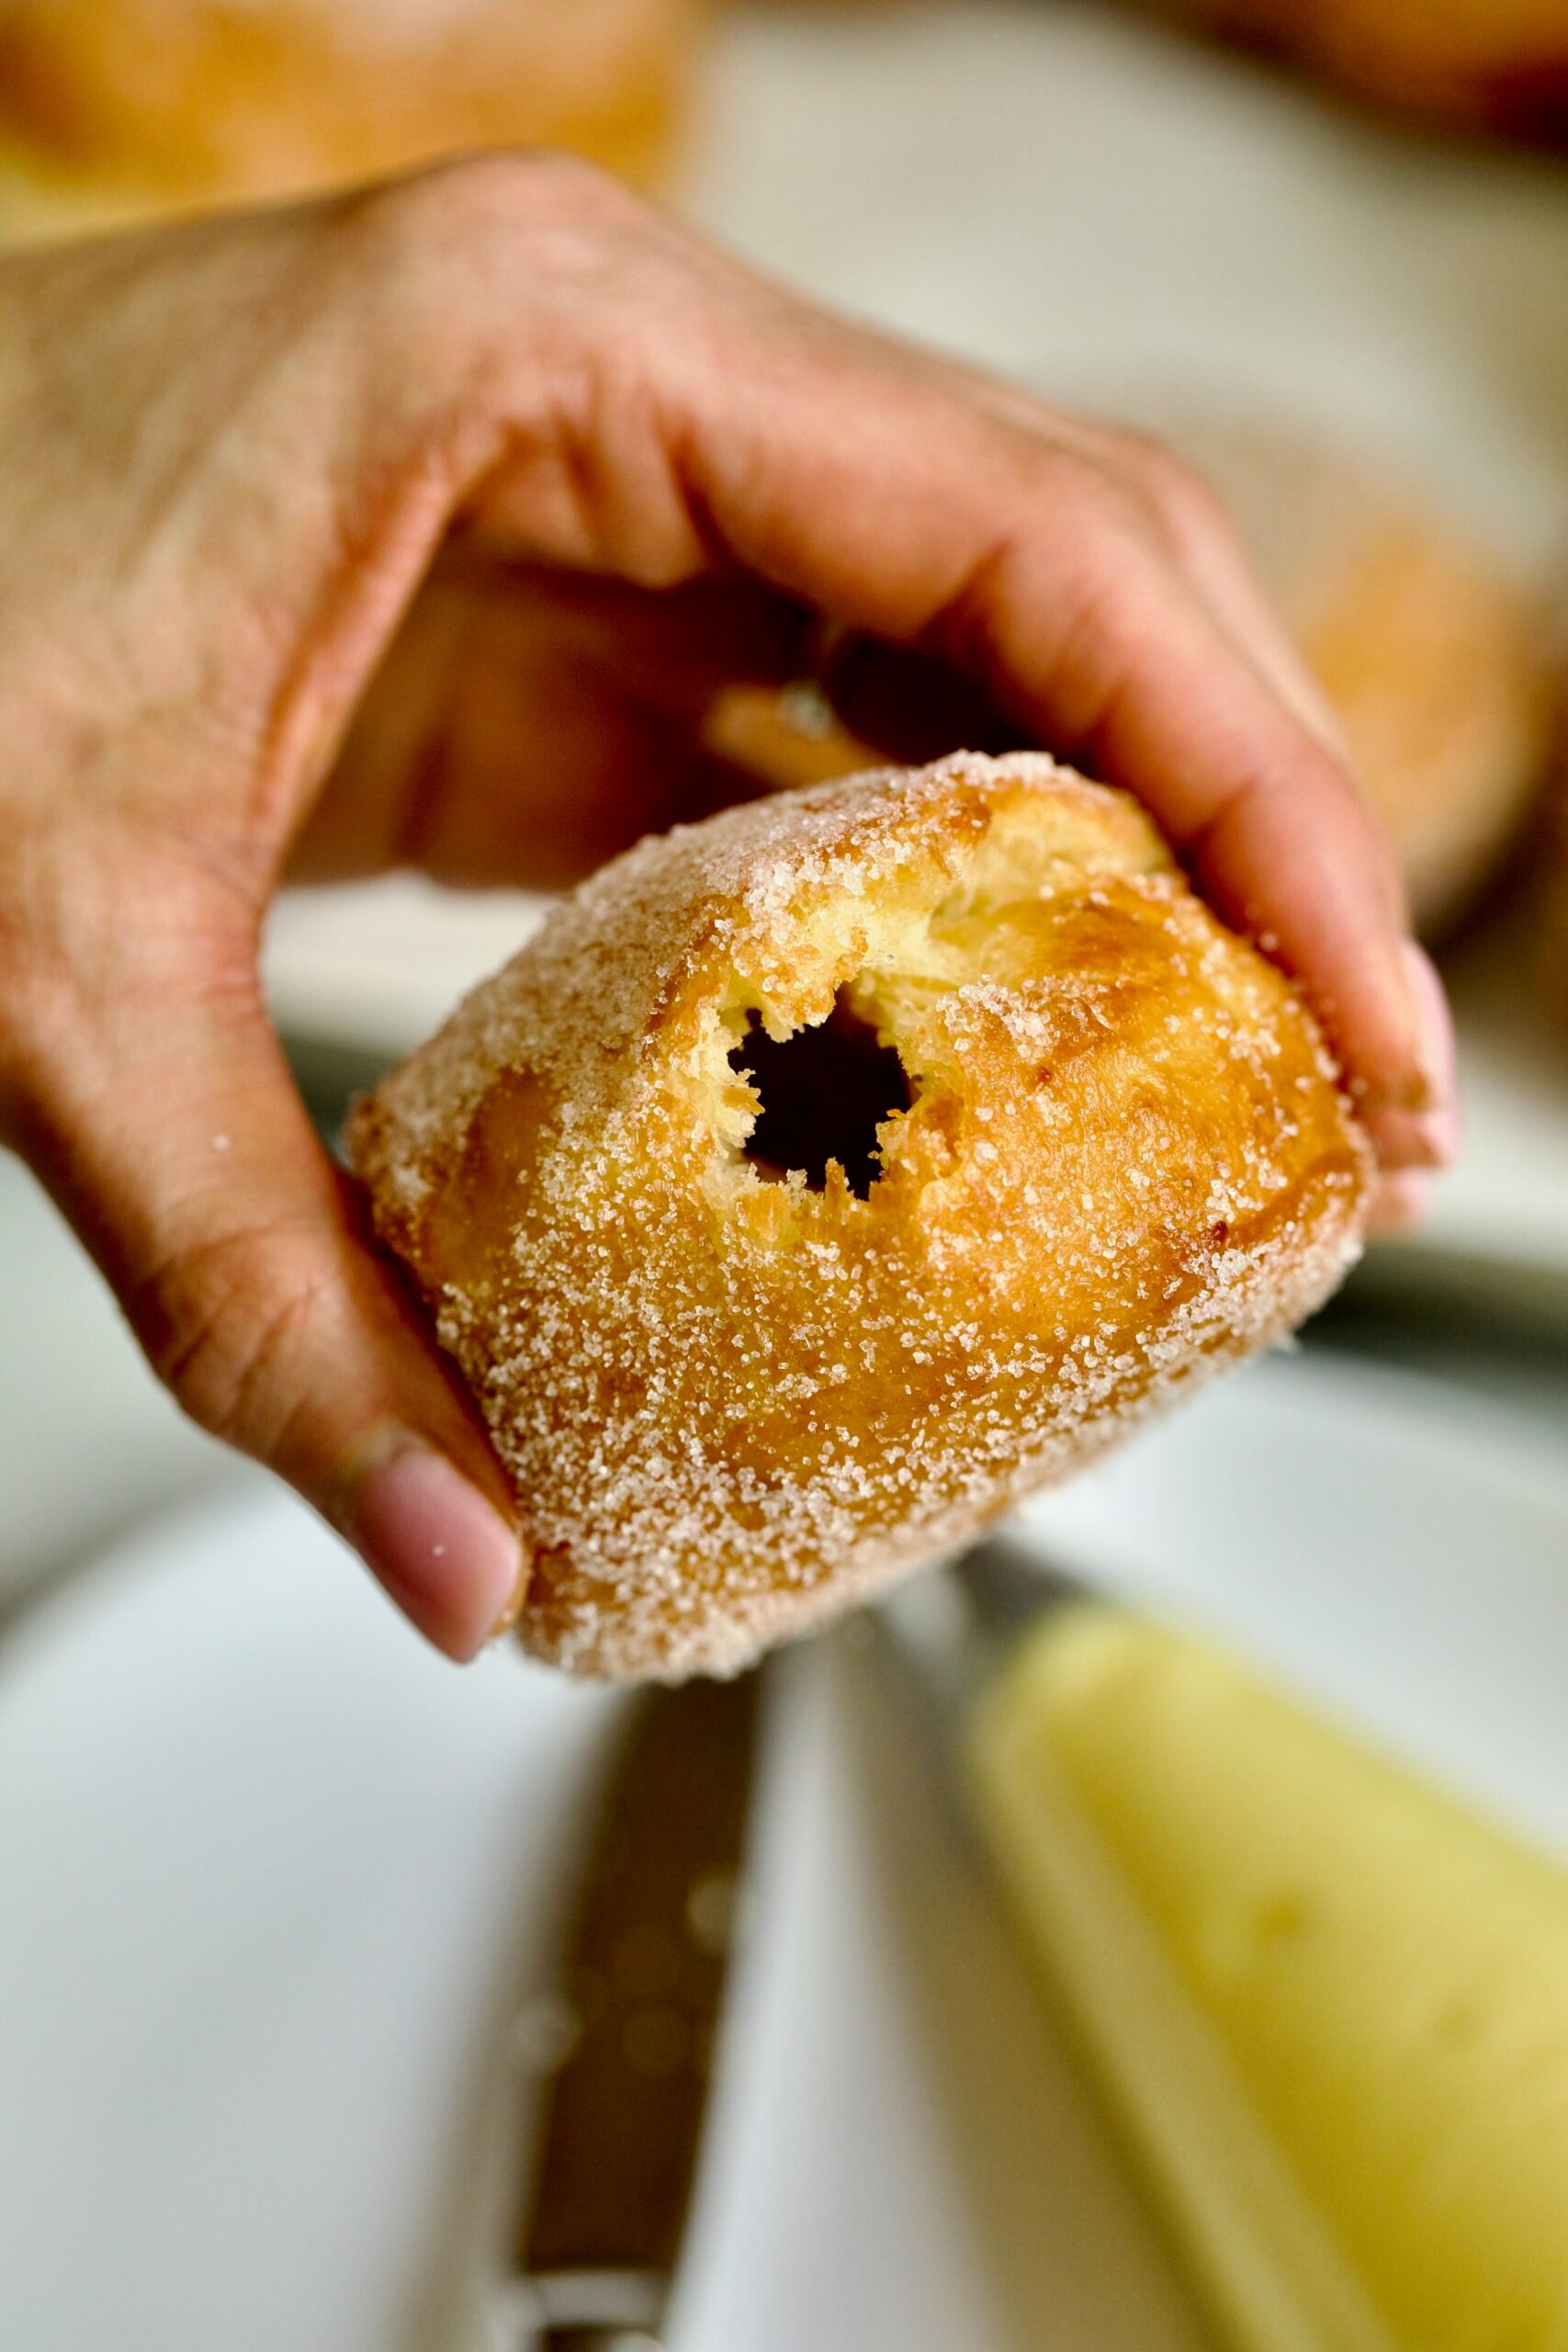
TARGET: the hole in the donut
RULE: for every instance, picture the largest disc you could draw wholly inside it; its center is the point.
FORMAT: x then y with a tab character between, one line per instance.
824	1093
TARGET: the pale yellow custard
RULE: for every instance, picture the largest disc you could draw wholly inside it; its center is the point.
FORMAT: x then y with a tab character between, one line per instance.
1330	2005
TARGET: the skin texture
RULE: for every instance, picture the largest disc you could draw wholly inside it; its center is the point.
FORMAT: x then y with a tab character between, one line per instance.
422	526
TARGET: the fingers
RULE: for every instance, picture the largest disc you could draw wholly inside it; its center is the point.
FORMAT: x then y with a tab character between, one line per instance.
180	1150
1042	578
269	428
1150	690
1206	546
667	418
1195	524
531	722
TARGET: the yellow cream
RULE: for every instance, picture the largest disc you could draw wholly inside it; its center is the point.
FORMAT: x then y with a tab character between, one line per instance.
1330	2005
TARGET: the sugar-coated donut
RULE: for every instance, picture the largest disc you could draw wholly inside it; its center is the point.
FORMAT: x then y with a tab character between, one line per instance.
114	109
822	1177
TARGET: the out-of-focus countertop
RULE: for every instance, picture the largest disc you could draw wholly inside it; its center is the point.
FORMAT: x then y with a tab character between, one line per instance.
1074	195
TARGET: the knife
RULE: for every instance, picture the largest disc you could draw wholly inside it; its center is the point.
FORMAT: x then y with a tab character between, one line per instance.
636	2019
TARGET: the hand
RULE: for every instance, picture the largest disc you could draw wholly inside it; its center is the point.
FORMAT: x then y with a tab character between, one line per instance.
422	524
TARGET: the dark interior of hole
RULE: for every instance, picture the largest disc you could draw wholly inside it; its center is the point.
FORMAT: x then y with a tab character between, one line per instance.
824	1093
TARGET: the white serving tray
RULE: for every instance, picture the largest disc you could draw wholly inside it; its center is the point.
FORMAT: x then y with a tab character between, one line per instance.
274	1876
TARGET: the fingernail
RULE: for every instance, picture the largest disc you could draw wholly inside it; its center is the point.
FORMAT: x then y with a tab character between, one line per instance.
1399	1204
1434	1047
442	1552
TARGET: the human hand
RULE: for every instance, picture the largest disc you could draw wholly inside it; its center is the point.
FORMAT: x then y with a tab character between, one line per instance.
422	524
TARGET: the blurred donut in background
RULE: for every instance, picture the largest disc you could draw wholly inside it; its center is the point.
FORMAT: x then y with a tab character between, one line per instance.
112	110
1495	64
1435	661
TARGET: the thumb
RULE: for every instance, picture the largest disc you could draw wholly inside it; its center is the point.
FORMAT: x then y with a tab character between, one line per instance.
237	1251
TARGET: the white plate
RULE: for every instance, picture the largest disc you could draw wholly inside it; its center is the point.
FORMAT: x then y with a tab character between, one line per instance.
375	967
1076	196
272	1874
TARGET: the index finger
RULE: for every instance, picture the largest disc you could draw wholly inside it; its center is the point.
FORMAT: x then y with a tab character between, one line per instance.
672	414
906	514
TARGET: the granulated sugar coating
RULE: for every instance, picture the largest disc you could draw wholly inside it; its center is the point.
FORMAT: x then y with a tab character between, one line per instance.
1035	1142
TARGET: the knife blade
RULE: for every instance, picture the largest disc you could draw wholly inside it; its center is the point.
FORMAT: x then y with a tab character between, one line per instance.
637	2010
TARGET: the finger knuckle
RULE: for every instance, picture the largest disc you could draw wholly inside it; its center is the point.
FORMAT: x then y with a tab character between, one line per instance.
221	1322
511	183
457	222
489	279
1185	503
1091	495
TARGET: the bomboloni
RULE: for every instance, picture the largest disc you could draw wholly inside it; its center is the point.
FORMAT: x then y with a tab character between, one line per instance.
824	1177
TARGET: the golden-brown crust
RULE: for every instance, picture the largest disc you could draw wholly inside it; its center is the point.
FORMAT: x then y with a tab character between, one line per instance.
121	107
729	1405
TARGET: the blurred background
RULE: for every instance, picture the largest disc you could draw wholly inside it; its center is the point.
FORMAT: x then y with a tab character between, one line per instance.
1323	244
